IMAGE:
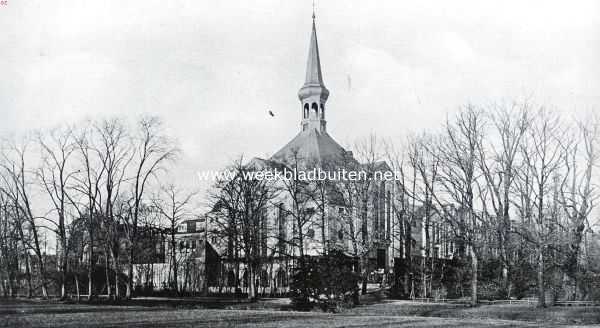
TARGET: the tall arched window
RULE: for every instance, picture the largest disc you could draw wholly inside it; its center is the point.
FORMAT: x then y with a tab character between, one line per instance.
315	108
322	111
305	110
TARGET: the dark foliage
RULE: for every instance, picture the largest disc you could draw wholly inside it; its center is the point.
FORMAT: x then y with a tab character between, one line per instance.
325	281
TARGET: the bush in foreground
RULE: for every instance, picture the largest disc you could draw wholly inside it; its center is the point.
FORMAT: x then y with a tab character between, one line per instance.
325	281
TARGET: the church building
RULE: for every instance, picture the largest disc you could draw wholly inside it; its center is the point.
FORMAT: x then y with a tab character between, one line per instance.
359	227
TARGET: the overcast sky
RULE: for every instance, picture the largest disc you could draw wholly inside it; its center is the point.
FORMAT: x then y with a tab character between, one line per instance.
212	69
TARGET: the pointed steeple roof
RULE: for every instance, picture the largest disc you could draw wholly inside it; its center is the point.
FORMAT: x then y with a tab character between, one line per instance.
314	76
313	83
313	144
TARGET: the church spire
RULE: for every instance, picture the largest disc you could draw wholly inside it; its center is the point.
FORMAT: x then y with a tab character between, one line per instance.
313	93
313	66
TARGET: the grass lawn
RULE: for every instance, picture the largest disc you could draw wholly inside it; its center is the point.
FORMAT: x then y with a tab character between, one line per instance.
389	314
527	313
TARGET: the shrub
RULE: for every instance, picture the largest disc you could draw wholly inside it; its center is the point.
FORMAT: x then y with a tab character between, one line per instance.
326	281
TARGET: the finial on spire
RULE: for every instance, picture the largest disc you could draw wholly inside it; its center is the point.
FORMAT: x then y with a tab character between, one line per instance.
313	15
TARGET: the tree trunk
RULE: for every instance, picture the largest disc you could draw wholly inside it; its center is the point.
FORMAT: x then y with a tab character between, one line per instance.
505	281
423	278
43	277
129	291
364	273
63	273
28	275
107	274
63	291
474	268
77	287
251	283
91	263
116	265
540	278
64	260
174	259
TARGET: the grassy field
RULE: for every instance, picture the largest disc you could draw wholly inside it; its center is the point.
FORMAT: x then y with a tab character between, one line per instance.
390	314
514	312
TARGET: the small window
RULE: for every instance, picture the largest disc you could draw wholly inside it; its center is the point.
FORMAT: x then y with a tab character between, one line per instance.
341	234
322	111
315	108
310	233
193	244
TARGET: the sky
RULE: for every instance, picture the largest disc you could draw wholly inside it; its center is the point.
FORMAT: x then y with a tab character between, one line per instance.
213	69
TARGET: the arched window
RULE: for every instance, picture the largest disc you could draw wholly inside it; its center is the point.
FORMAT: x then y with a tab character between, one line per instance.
341	234
315	108
322	111
305	110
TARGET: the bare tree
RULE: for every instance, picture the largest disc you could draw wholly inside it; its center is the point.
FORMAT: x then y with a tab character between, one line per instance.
88	186
369	157
497	161
458	178
403	212
301	210
542	160
114	153
153	150
9	248
55	175
240	200
577	192
424	158
18	184
173	204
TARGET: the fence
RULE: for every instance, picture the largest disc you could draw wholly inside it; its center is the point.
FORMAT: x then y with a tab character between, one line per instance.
527	301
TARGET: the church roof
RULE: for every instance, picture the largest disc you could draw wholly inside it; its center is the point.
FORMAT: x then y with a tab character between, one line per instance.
310	146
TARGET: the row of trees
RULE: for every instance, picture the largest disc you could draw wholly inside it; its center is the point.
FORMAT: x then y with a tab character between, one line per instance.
495	178
89	188
504	177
